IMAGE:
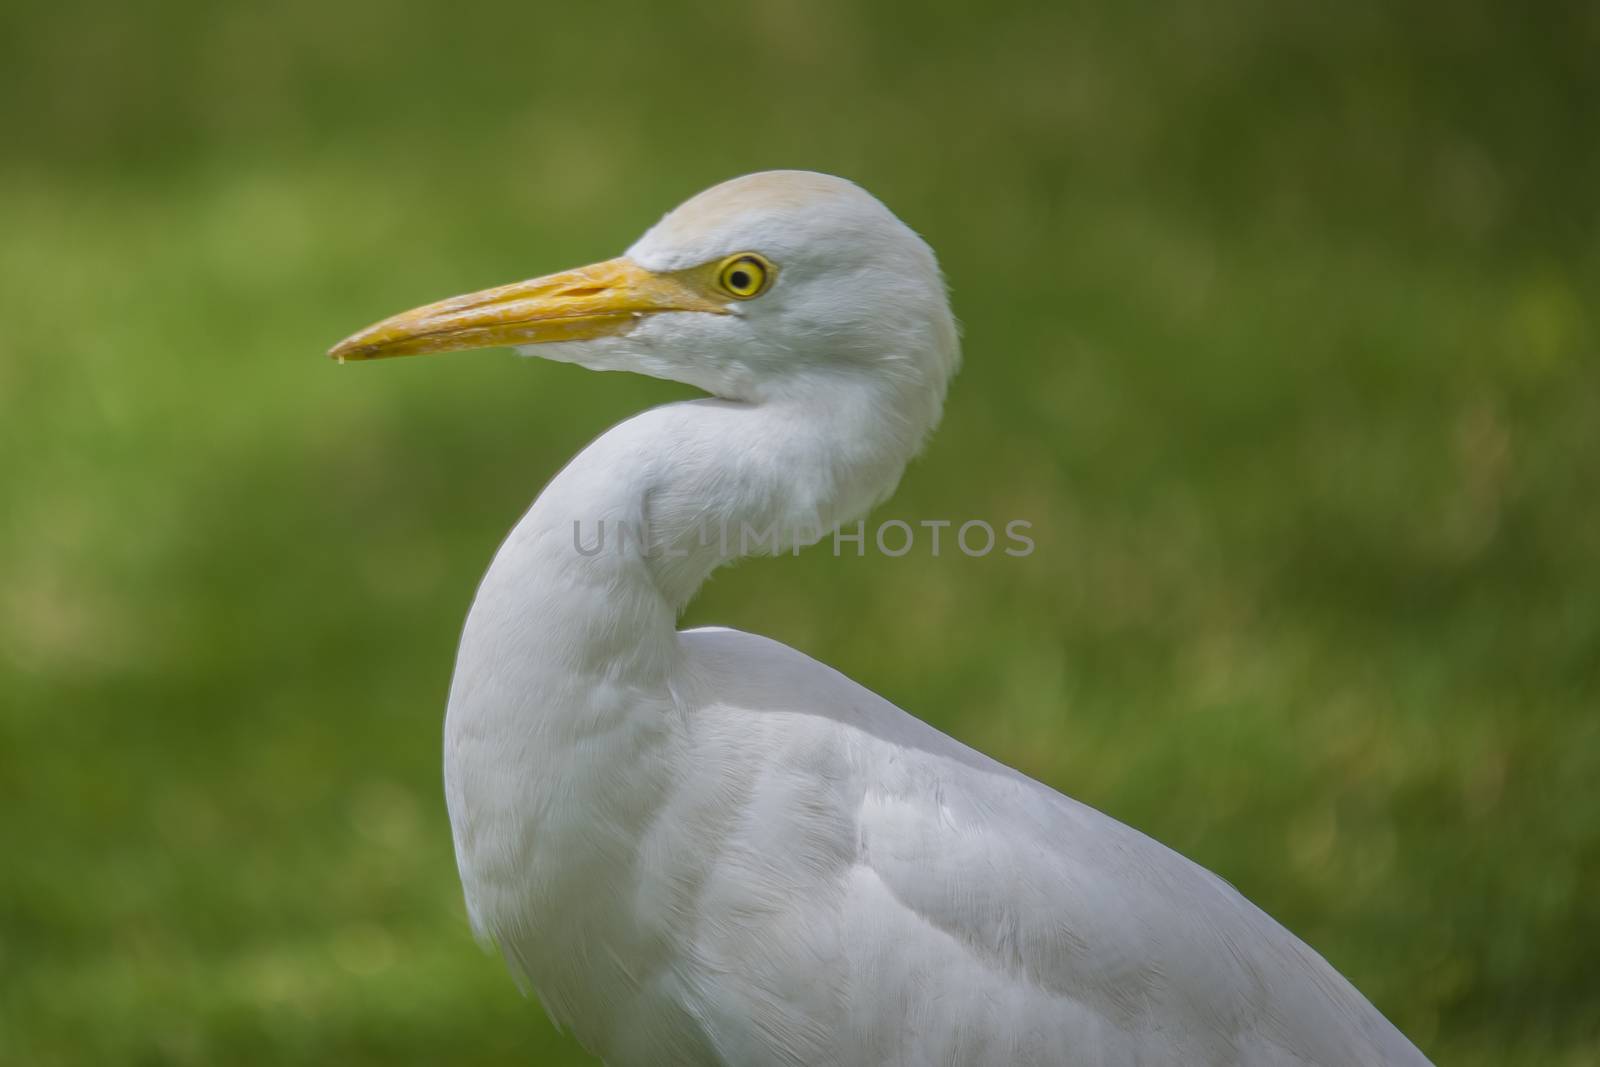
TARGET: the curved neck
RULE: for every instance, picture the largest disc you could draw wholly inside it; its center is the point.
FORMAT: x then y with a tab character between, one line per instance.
592	579
570	654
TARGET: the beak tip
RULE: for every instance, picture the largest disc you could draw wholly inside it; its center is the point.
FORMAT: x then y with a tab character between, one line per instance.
348	349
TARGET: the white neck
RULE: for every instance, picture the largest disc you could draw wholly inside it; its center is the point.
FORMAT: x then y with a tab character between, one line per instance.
589	584
565	688
661	501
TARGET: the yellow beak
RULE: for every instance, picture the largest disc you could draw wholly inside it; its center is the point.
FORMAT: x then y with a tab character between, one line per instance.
576	305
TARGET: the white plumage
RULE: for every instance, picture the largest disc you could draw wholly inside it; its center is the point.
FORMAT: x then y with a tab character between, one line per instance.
704	847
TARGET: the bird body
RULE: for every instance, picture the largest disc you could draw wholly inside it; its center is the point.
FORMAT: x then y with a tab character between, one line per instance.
705	847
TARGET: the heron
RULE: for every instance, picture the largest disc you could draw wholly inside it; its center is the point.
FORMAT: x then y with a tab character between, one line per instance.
702	846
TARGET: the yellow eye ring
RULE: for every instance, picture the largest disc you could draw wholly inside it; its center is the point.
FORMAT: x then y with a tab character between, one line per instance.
745	275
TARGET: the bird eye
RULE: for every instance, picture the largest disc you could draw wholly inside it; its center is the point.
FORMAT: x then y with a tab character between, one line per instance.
745	275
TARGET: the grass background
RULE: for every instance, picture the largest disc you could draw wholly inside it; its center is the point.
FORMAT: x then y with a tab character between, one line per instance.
1280	327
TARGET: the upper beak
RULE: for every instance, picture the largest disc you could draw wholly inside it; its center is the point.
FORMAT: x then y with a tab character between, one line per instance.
576	305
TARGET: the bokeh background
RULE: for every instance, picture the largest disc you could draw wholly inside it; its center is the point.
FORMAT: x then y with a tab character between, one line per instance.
1280	327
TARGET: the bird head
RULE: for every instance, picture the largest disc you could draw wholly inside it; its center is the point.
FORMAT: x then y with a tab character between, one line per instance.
767	286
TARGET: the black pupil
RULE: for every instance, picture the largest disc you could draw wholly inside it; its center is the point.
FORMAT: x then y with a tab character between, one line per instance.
739	279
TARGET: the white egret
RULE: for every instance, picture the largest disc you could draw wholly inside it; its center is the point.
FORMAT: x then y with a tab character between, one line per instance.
705	847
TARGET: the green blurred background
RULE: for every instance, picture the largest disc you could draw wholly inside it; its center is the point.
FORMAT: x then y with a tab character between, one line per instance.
1280	327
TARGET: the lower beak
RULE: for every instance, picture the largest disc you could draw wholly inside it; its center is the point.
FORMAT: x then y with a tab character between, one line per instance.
576	305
